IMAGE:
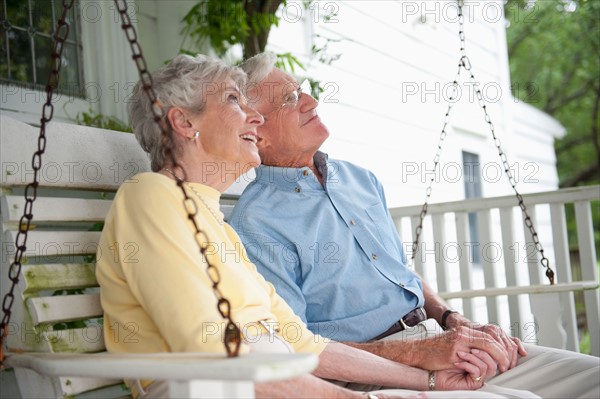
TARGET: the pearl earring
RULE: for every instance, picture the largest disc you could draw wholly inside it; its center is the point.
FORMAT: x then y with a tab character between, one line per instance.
196	136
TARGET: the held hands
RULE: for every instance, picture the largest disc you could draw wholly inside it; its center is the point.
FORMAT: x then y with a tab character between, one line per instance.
512	345
442	352
468	374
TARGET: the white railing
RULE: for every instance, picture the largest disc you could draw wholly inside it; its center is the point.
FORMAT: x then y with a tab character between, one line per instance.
508	276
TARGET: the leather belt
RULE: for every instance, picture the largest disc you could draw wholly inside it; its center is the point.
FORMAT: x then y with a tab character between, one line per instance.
411	319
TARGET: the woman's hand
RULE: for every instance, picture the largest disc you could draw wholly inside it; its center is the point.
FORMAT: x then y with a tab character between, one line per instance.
471	373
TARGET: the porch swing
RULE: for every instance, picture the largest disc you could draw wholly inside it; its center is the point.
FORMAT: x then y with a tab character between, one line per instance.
37	315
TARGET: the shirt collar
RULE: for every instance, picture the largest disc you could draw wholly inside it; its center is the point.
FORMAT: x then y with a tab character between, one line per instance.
294	178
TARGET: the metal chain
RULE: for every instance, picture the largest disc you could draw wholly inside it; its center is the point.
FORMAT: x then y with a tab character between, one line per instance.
436	162
232	337
14	272
466	64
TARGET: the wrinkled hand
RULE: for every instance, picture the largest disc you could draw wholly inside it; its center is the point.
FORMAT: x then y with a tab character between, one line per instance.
468	374
442	352
512	345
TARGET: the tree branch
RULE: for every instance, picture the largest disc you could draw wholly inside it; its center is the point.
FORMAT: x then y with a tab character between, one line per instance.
591	173
552	106
256	42
527	30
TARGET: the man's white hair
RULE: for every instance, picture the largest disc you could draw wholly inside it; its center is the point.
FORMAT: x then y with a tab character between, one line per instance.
258	67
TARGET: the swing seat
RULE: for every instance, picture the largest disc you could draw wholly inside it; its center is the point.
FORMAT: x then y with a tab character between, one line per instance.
55	341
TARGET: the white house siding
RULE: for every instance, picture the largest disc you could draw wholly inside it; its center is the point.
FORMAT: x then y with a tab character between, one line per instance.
389	50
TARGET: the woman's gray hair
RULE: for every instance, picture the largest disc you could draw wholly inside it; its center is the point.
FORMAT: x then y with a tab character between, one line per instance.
257	68
185	83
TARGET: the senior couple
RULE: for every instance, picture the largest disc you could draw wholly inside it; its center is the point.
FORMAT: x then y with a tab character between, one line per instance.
373	323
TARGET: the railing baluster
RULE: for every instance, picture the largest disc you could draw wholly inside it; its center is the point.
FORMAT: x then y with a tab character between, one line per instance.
418	263
510	268
466	270
587	252
531	255
439	240
563	271
484	220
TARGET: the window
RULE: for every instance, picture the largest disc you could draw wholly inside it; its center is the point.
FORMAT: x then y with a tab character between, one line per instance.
26	31
472	179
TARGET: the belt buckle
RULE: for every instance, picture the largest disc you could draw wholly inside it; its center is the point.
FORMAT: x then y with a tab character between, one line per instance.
403	324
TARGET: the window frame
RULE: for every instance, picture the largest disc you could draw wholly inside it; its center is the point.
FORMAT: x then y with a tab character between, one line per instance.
74	39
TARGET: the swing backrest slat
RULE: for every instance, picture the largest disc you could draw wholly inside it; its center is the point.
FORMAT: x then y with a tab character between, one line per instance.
57	306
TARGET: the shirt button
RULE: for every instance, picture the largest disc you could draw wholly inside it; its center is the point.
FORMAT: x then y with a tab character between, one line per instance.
353	222
297	189
306	172
401	285
374	256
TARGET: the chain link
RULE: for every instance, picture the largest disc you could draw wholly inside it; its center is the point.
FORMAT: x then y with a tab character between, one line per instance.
232	337
436	163
466	64
14	272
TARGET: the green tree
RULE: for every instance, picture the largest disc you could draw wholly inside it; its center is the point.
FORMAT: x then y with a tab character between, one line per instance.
554	53
554	56
227	23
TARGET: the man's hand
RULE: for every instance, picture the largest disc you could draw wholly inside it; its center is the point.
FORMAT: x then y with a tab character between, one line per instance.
442	352
512	345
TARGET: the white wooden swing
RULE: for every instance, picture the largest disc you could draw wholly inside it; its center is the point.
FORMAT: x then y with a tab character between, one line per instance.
55	344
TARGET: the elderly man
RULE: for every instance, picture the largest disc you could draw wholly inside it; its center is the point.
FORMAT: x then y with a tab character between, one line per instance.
319	230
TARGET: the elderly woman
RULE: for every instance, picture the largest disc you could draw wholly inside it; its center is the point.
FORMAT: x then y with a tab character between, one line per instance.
155	291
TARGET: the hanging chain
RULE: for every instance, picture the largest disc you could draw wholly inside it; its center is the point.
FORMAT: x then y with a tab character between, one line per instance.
436	162
466	64
232	338
14	272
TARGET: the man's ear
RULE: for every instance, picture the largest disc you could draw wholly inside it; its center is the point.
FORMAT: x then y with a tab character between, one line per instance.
179	123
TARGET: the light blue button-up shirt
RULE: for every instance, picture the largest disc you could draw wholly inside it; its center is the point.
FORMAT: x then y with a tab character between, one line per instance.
331	251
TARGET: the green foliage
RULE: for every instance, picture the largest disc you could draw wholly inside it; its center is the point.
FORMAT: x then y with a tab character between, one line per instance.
226	23
223	23
288	62
93	119
554	55
321	50
585	345
554	50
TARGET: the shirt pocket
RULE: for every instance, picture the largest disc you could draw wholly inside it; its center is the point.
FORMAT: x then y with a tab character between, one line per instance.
379	226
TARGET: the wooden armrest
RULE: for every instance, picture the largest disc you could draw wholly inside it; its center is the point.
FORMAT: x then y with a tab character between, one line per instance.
255	367
525	289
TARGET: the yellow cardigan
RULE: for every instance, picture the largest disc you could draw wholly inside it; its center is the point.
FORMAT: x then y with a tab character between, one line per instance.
154	287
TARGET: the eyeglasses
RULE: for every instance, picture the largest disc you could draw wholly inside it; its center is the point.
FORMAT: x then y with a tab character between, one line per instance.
292	99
